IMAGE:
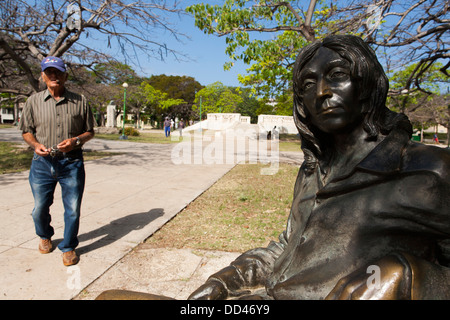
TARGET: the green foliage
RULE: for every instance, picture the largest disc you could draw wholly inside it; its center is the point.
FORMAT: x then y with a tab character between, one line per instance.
115	73
130	131
430	82
216	98
249	105
284	105
176	87
271	56
156	102
7	100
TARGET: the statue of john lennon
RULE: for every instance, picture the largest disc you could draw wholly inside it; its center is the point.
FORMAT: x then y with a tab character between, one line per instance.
370	217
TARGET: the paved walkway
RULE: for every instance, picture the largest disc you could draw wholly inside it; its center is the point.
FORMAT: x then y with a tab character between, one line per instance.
127	198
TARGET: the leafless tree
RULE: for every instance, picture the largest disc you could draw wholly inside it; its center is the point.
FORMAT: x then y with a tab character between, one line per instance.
86	32
406	31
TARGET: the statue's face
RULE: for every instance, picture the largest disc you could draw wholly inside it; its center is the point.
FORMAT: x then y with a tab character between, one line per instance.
329	93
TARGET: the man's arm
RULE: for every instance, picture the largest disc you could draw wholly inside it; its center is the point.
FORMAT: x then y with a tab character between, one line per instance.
70	144
39	148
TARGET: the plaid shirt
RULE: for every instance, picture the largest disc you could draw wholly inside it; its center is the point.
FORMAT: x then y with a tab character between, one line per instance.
52	121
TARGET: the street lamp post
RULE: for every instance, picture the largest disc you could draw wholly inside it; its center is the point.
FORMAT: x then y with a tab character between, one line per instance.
200	113
125	86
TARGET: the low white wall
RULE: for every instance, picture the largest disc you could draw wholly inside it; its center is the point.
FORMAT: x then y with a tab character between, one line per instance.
224	121
284	124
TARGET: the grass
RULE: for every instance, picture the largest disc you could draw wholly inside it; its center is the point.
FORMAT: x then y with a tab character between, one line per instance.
15	157
243	210
146	137
288	142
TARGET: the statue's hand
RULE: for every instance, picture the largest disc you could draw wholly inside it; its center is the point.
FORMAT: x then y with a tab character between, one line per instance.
387	279
211	290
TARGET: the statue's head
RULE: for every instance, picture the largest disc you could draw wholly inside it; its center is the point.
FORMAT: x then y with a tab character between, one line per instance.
365	74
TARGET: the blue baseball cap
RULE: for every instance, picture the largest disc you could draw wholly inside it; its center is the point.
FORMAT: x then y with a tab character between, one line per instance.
54	62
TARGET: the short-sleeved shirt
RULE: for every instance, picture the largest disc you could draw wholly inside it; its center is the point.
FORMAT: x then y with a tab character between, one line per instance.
52	121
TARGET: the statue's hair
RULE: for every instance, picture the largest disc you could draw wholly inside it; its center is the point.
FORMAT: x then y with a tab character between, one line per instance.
372	85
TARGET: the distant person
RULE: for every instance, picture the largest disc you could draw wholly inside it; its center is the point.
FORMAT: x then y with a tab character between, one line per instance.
181	127
273	133
435	138
56	123
167	125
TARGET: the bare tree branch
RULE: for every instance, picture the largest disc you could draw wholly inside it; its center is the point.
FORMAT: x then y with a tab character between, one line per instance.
32	30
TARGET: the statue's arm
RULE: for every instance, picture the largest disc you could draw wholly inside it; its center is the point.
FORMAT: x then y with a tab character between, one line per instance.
428	280
403	275
399	276
249	270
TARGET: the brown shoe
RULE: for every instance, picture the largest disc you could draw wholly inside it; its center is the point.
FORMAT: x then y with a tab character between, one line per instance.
45	246
70	258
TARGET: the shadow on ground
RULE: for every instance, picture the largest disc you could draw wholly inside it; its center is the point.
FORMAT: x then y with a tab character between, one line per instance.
117	229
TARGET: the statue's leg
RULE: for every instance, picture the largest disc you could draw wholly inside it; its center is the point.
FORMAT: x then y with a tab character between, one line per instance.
129	295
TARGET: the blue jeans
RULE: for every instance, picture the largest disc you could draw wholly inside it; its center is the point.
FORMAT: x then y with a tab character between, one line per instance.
167	131
45	173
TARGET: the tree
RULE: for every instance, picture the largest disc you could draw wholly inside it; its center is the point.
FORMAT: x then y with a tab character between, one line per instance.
115	73
177	87
31	30
415	31
102	85
432	110
431	82
273	58
157	103
98	93
407	32
216	98
423	107
249	105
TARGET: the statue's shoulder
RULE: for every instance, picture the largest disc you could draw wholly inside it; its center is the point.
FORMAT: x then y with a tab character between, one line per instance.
421	157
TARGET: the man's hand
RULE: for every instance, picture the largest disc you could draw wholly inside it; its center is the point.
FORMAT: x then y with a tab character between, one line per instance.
67	145
41	150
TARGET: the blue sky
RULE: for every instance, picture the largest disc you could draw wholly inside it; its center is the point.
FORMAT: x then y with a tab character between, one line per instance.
207	54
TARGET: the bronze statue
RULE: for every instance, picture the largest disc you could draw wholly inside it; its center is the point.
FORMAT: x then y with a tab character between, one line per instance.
370	217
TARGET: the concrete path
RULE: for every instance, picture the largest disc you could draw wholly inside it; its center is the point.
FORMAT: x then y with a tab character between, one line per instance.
127	198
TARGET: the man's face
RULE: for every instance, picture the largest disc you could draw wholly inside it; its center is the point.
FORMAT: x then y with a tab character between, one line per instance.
329	93
54	78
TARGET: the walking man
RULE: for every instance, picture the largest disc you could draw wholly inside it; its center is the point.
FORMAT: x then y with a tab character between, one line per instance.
56	123
167	125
